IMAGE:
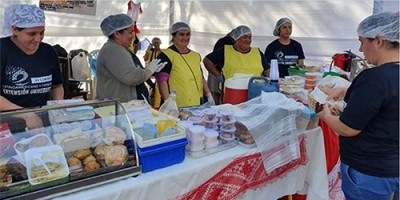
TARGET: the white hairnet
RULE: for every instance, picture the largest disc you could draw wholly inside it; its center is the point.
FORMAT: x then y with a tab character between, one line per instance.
384	24
114	23
22	16
156	39
240	31
179	26
279	24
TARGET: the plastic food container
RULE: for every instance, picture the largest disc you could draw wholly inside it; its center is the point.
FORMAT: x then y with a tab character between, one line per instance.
311	75
310	81
45	164
309	86
197	131
186	125
40	140
209	114
228	124
227	115
212	145
196	120
211	124
211	136
227	134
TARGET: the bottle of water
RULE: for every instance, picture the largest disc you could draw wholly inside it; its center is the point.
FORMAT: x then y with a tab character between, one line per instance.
169	106
274	73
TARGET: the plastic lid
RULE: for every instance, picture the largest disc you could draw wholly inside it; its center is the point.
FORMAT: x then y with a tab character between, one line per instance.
185	124
209	111
196	120
210	133
197	129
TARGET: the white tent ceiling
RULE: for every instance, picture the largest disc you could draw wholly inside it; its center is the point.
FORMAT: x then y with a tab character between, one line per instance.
324	27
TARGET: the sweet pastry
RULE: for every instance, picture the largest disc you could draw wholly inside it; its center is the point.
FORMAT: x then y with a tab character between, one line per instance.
74	163
100	151
115	155
243	134
17	170
91	166
115	135
82	154
89	159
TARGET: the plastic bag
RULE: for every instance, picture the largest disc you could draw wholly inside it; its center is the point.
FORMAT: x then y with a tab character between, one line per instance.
170	107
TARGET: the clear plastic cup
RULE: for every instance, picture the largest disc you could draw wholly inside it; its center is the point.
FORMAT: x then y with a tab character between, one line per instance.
211	136
197	132
228	134
186	125
227	115
209	114
196	120
228	124
310	81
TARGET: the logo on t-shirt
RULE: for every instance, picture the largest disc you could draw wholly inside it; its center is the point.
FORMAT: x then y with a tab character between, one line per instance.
18	83
17	76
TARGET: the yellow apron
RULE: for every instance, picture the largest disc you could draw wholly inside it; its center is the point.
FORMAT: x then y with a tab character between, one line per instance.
245	63
185	77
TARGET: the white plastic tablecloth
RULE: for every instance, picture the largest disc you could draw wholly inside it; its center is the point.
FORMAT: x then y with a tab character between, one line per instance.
176	180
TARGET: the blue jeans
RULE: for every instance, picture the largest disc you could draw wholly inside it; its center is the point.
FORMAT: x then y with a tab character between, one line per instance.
359	186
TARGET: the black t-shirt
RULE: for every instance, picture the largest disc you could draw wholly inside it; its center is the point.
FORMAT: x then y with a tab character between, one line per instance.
287	55
227	40
218	58
26	80
373	107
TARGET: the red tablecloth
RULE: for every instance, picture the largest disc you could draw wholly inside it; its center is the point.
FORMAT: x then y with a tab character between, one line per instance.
331	141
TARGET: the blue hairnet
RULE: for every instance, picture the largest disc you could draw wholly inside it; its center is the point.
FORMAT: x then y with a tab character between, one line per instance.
179	26
240	31
114	23
22	16
384	24
279	24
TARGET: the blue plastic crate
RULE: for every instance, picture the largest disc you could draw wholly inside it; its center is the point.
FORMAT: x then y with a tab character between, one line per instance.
162	155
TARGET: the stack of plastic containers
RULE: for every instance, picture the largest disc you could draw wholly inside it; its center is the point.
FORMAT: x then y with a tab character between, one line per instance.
210	130
310	81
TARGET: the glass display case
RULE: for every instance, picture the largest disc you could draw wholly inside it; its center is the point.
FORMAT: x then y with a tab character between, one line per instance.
68	147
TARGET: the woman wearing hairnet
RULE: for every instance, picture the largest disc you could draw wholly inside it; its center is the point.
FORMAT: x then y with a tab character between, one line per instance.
237	58
183	70
119	72
151	54
369	124
287	51
30	70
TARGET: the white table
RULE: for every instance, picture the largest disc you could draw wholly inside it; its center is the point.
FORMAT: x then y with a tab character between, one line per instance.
179	179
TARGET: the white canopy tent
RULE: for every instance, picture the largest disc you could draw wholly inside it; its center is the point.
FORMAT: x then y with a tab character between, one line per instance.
324	27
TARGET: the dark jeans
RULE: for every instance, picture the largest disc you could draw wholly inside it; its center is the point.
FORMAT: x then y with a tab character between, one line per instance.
359	186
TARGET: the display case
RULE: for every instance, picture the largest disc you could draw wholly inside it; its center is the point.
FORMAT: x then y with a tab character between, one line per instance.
75	146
